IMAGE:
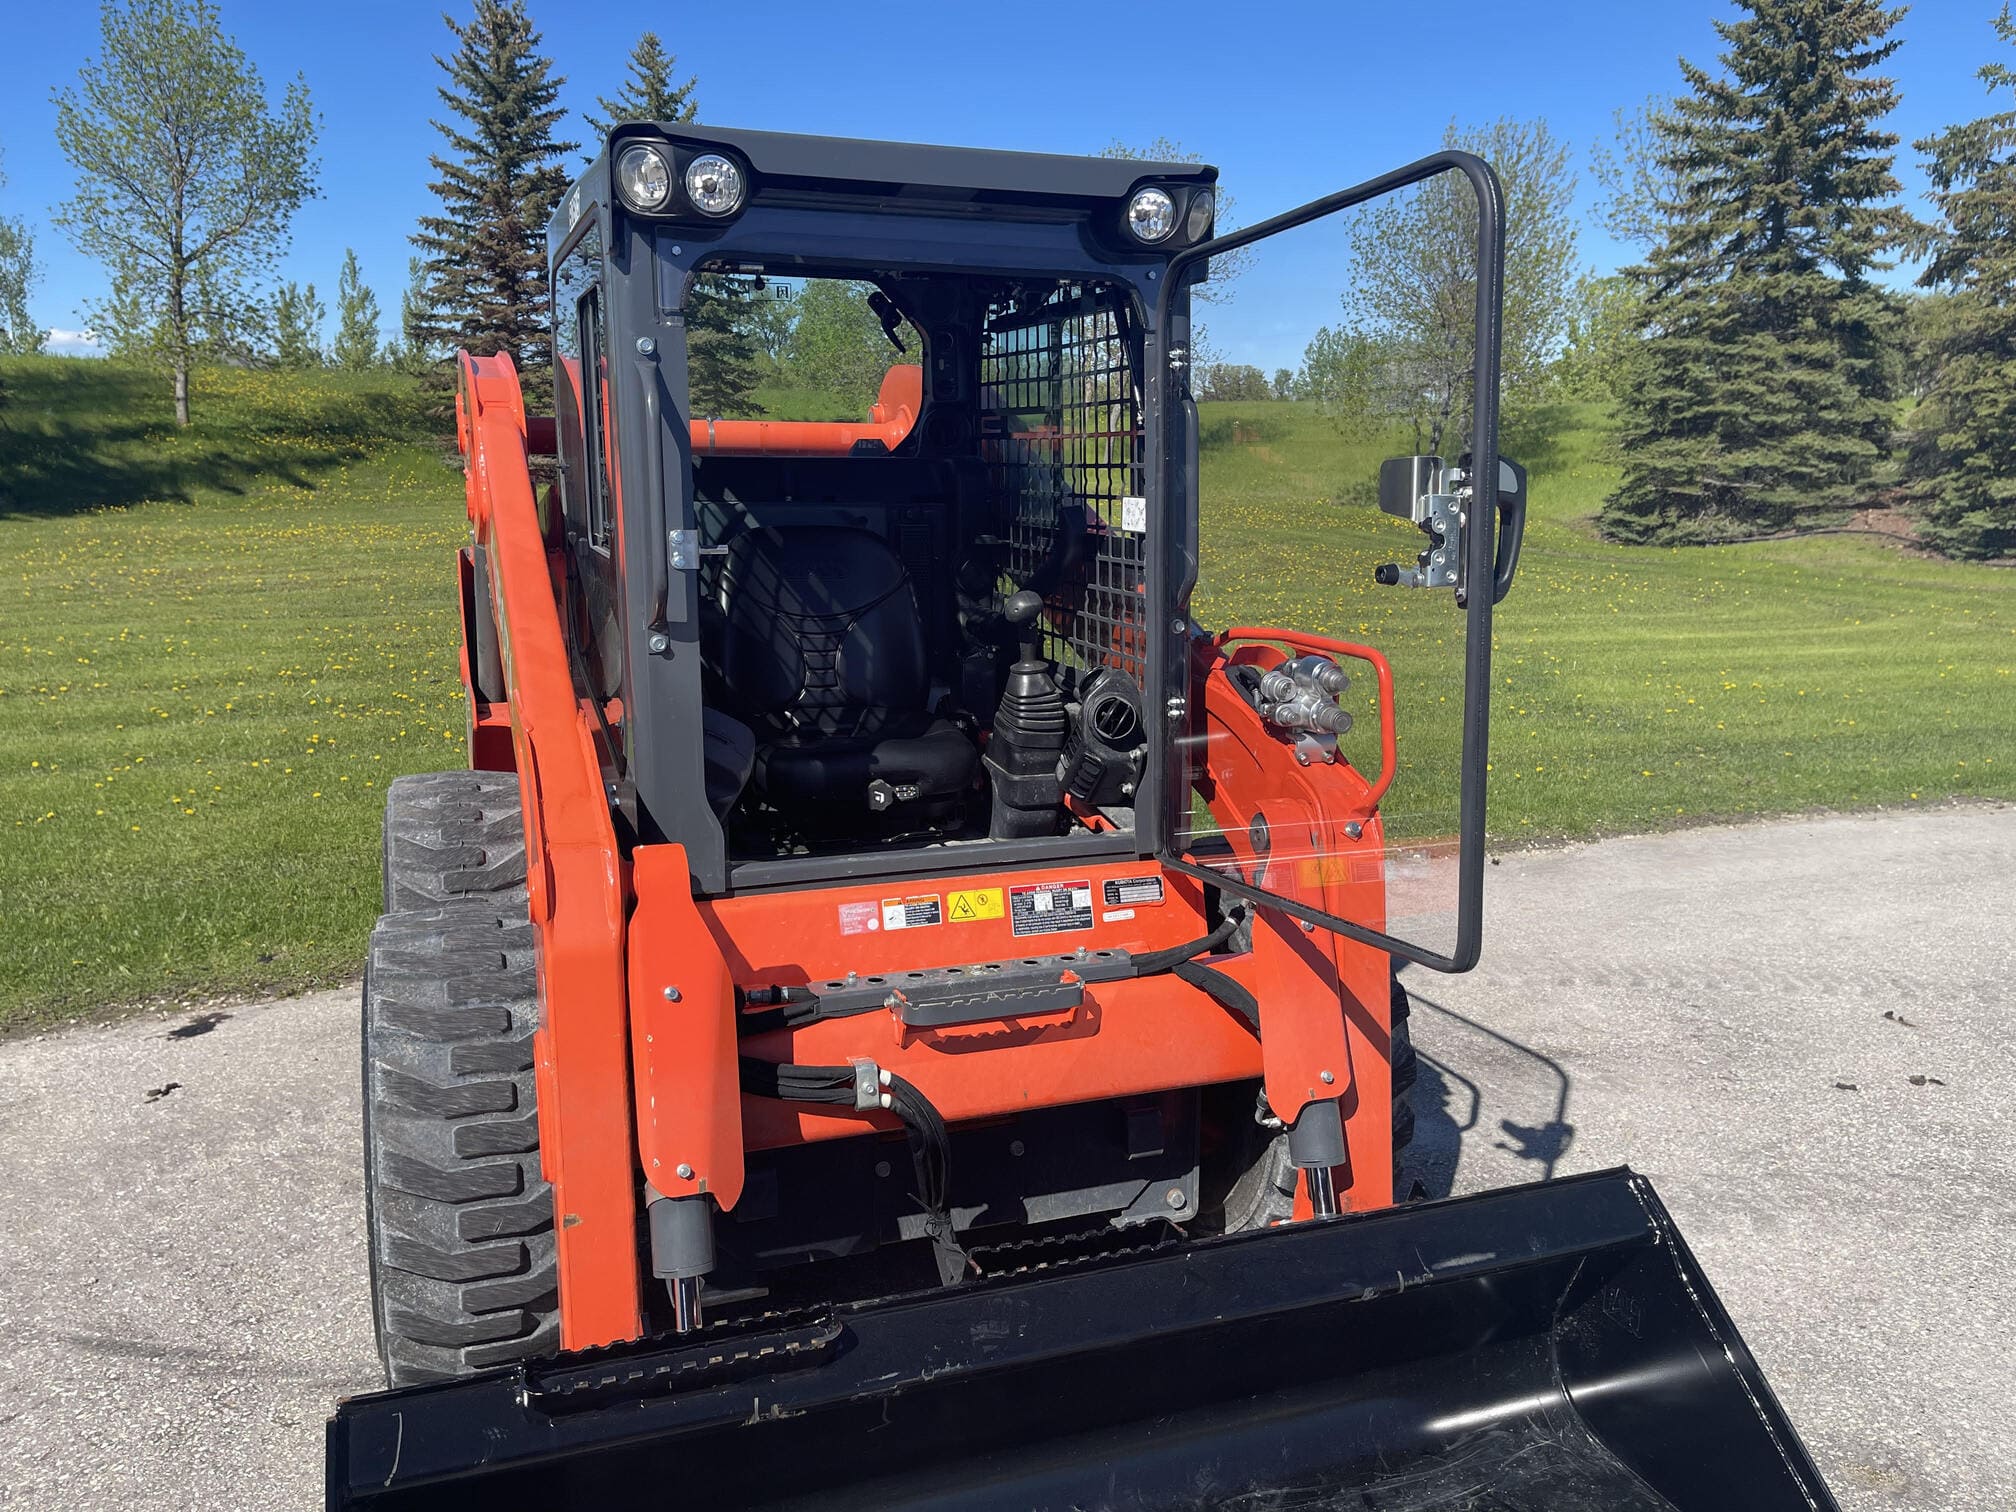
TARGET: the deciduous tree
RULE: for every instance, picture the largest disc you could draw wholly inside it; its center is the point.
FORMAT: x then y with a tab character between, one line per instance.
1407	346
187	179
18	333
838	345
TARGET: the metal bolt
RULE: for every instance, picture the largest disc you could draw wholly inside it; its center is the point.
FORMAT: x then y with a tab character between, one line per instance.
660	643
1175	1198
1326	1077
1354	829
646	347
683	1171
853	977
1177	627
671	994
882	1168
1014	1147
678	251
1307	927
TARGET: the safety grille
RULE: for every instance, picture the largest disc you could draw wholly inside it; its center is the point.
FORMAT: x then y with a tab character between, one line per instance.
1061	429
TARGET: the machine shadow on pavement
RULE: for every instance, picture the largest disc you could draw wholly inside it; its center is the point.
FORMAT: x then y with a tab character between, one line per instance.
1474	1078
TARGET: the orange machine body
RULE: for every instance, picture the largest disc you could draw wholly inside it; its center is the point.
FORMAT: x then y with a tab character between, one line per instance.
641	981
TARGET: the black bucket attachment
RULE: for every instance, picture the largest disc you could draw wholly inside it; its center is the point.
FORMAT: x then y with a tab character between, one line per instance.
1550	1348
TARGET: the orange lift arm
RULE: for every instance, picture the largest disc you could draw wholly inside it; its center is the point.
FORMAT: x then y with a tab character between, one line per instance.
895	412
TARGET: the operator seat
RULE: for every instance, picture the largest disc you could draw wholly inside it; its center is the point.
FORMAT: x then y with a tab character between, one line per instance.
822	654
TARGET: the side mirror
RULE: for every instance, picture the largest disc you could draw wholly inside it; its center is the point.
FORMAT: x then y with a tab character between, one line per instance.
1436	497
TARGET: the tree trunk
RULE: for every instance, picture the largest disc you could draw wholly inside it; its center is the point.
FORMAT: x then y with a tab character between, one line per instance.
178	335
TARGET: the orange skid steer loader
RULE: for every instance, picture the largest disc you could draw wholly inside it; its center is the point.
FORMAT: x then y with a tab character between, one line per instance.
898	1011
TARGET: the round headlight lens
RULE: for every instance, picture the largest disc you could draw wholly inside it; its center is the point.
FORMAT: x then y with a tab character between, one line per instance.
1197	225
644	178
1151	215
714	184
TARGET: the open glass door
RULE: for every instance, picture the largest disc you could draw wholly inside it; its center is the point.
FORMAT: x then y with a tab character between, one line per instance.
1332	404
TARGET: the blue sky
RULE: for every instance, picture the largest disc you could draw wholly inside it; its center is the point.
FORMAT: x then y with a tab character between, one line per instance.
1291	101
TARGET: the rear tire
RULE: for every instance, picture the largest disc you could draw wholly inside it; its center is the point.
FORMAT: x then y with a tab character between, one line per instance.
458	1221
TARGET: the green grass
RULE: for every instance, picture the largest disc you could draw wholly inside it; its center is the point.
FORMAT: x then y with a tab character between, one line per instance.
1636	687
218	646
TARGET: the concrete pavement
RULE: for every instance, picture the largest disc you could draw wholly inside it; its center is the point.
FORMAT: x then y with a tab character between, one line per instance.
181	1250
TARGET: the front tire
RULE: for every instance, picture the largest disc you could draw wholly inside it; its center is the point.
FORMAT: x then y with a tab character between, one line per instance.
451	835
459	1222
1261	1188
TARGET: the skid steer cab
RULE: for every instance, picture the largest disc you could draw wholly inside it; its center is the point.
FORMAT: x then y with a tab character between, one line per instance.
902	1006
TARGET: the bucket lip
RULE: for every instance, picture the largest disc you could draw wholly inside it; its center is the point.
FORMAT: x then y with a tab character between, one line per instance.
422	1433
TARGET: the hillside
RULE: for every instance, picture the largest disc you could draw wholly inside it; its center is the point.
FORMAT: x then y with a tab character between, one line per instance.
217	647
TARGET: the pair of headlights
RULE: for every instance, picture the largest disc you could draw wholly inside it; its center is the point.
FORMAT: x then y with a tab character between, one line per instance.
1151	216
715	187
714	184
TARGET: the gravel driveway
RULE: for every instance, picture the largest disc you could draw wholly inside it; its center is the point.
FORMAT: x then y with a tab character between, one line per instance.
1799	1030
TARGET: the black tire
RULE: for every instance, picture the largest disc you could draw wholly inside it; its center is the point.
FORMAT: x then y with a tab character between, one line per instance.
453	835
458	1221
1406	1070
1263	1192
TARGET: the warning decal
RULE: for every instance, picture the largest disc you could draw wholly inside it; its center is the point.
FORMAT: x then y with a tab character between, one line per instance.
859	918
970	907
1051	908
911	913
1133	892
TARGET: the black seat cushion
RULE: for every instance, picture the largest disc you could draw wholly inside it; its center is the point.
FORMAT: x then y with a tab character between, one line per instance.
822	652
933	754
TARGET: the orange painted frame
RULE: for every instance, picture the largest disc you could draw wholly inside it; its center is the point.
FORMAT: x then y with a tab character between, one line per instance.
573	874
1290	958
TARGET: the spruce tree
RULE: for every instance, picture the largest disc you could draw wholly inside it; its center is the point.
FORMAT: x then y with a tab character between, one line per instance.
1761	392
649	93
419	346
498	186
720	351
297	327
356	345
1963	462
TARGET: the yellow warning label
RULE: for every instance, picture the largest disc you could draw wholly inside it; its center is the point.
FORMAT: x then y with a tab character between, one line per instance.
966	907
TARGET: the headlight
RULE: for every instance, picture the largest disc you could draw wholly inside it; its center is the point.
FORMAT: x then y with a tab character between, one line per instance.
644	178
1197	225
714	185
1151	215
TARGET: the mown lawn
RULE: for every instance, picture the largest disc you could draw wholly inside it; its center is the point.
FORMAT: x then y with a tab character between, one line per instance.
216	647
1635	686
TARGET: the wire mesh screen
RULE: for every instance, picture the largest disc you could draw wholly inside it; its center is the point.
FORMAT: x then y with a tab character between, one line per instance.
1061	428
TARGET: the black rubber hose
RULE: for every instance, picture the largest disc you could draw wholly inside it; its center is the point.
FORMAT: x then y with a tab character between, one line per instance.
1157	962
1229	992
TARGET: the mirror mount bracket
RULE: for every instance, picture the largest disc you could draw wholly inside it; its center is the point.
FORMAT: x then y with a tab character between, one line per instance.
1436	498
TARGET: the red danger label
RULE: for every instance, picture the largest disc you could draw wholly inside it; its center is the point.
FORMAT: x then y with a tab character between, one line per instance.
1051	908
